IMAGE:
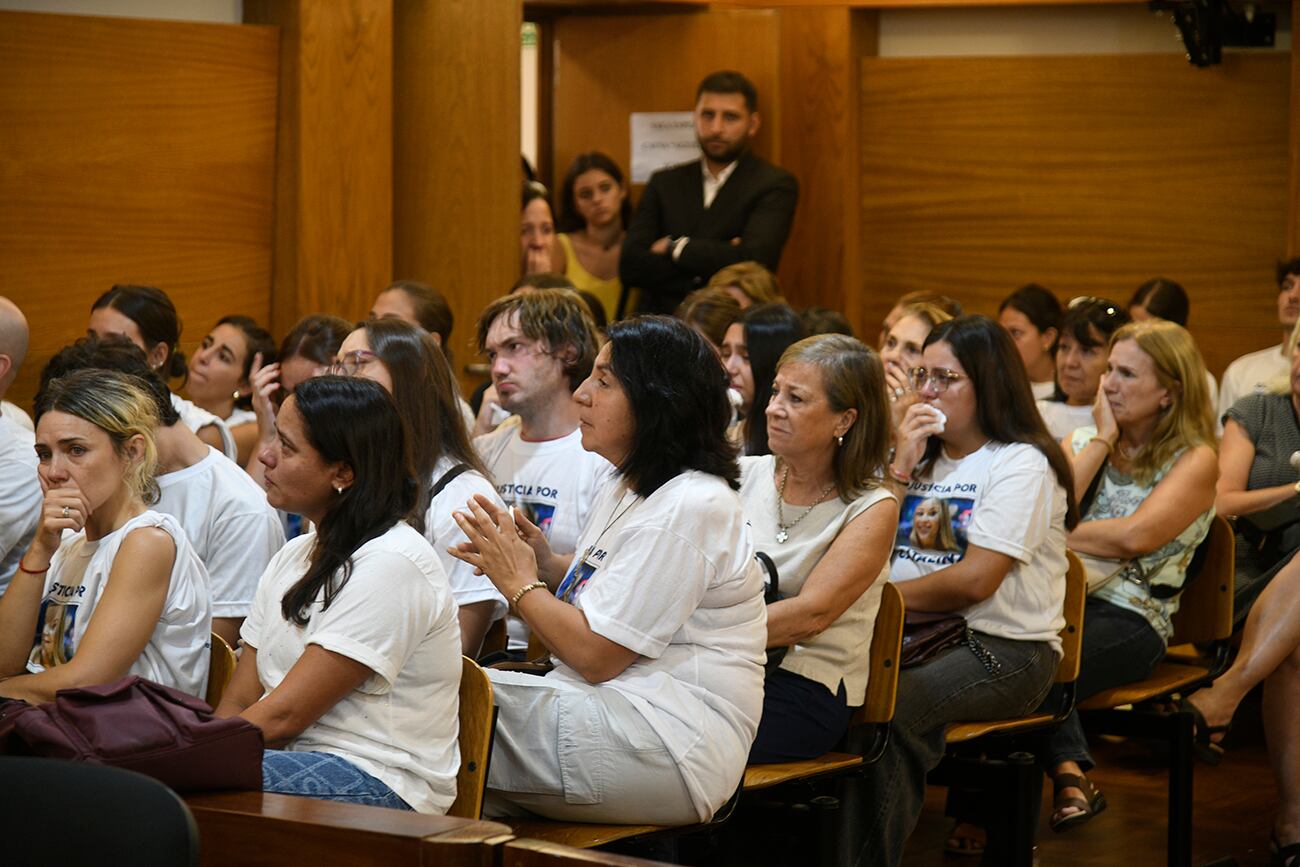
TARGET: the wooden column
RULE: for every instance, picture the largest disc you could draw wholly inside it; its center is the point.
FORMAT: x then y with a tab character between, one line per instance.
1293	146
456	151
334	159
820	62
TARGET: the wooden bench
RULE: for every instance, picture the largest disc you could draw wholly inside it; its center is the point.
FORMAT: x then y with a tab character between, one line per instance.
1204	618
868	733
259	828
1016	782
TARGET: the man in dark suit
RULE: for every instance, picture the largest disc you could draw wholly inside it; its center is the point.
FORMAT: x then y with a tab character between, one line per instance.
698	217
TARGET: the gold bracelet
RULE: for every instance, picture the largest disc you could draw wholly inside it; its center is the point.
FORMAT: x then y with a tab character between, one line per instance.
519	594
1110	449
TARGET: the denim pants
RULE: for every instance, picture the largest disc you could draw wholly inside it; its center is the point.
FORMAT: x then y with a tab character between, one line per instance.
326	777
954	687
1119	647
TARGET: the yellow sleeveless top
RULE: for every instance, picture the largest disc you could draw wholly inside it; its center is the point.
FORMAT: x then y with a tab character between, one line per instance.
606	290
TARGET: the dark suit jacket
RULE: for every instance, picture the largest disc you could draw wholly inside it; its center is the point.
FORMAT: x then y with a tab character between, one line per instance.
756	204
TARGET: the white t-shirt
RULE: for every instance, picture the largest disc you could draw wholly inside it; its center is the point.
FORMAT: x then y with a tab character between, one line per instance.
1251	373
553	482
841	651
196	418
1062	419
17	415
1003	497
177	652
395	615
673	578
20	496
233	529
240	416
1043	390
443	533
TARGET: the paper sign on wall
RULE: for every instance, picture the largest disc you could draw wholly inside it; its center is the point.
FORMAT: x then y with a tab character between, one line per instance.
661	139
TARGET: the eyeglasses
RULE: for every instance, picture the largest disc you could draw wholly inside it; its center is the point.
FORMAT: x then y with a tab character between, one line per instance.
351	362
939	378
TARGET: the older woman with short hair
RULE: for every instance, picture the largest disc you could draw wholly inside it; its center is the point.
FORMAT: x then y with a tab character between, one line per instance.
819	507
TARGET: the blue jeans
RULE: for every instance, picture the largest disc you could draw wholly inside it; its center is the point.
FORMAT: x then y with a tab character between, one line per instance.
325	777
1119	647
953	687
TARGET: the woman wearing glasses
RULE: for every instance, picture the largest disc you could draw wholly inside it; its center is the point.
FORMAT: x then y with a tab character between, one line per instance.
901	351
974	440
1081	353
406	361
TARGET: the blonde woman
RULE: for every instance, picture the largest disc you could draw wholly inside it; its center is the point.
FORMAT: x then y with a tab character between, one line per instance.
1145	477
932	526
131	594
749	283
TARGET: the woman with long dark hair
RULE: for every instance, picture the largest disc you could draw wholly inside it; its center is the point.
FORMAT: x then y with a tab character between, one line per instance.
406	361
751	349
975	440
351	659
148	318
594	215
657	624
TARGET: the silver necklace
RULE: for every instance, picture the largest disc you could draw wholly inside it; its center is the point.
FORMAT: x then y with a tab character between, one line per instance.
782	528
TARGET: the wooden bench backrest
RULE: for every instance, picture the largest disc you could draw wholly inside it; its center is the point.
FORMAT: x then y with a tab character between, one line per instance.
221	667
886	648
1076	597
476	723
1205	609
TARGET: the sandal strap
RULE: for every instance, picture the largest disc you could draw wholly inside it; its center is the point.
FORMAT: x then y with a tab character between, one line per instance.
1071	781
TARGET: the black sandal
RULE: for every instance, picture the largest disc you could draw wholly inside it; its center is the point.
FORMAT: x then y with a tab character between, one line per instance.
1090	805
1204	746
1283	856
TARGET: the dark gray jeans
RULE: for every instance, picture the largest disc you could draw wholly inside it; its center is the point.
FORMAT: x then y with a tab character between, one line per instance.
954	687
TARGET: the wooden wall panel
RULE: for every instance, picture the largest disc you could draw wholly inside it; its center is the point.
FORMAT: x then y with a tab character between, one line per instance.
608	66
334	166
1086	174
457	177
820	105
133	151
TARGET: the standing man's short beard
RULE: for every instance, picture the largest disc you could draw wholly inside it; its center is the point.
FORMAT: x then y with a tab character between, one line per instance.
728	156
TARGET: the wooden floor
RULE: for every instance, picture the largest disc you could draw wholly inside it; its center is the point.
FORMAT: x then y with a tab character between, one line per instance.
1234	805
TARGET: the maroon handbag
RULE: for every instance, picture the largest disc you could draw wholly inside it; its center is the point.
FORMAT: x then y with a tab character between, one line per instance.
141	726
926	635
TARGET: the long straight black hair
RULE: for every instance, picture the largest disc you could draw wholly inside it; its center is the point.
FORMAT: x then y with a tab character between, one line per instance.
770	329
352	420
1004	399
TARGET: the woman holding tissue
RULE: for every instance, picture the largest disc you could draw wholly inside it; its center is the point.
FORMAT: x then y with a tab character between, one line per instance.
901	352
974	440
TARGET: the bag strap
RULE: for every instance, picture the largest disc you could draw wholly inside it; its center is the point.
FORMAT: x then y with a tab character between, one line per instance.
447	478
773	591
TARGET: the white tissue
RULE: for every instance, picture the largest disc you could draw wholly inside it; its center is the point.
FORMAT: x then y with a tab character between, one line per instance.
940	417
